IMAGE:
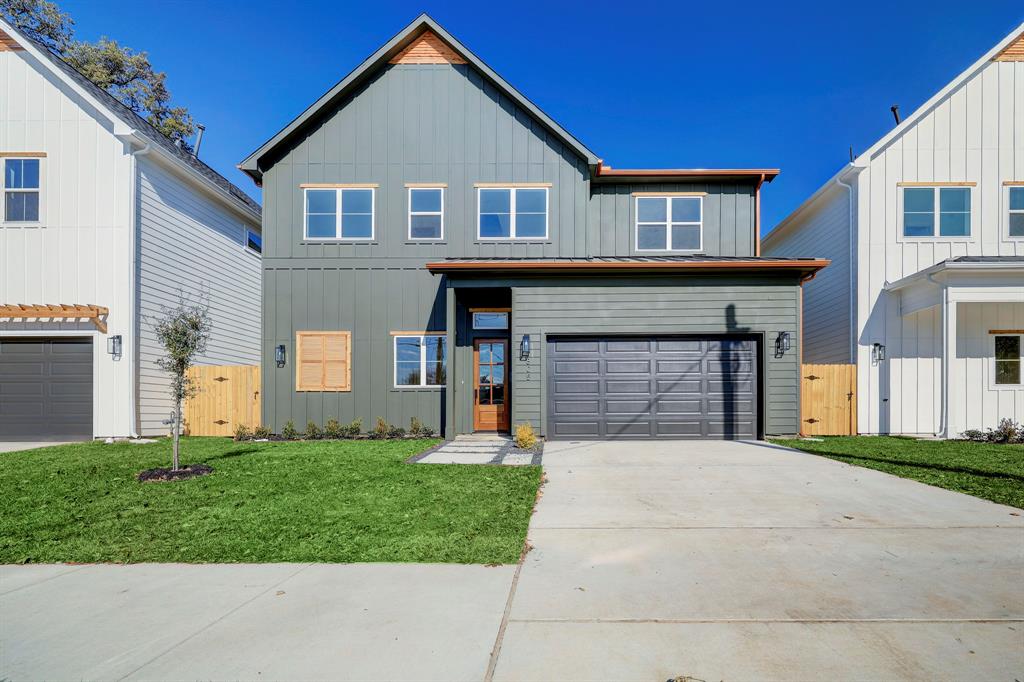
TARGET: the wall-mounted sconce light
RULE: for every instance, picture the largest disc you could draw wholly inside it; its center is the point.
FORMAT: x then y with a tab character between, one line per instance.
782	344
524	347
877	353
280	356
114	345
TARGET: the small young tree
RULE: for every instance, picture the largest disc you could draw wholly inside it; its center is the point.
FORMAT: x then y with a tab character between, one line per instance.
182	331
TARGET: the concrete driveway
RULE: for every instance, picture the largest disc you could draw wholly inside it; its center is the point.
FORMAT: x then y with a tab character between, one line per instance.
733	561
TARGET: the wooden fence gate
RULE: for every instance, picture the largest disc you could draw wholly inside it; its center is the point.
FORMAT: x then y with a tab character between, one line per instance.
828	400
226	396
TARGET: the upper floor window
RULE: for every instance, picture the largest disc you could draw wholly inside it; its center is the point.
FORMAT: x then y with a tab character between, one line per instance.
1008	360
339	213
1016	200
426	213
21	190
253	241
946	208
513	213
669	223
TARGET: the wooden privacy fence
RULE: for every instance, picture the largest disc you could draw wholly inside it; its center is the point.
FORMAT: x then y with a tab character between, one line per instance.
226	396
828	400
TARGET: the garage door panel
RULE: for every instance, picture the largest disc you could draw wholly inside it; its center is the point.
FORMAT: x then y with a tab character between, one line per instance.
46	388
652	387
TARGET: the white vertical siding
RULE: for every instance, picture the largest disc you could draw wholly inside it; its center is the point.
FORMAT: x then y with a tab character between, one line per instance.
80	253
822	231
191	243
975	134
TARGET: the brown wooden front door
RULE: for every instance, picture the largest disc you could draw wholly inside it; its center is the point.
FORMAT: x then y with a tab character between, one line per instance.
490	385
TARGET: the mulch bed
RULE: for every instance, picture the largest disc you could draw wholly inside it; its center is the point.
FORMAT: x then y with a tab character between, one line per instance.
183	473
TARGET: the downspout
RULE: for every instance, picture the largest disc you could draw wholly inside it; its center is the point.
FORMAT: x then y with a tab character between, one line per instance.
133	404
853	245
757	216
944	391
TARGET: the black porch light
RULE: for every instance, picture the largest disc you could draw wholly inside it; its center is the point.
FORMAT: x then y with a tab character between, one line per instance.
524	347
280	355
782	344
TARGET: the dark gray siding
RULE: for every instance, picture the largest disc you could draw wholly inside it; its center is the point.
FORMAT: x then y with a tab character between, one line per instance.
662	306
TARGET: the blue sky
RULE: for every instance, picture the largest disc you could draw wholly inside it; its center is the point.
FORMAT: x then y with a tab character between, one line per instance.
787	85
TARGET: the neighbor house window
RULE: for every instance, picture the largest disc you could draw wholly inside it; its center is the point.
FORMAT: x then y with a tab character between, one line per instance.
669	223
1016	199
21	190
1008	359
323	361
253	241
426	212
420	360
339	213
487	319
513	213
947	209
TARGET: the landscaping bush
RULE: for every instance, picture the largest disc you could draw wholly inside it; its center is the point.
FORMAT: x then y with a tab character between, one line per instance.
380	429
261	433
525	437
1007	431
242	432
289	432
353	428
418	429
313	431
333	430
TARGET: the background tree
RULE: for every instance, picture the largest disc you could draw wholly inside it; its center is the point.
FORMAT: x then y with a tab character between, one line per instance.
183	332
124	73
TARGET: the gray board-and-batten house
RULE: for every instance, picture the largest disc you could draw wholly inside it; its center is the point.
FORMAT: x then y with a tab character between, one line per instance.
435	246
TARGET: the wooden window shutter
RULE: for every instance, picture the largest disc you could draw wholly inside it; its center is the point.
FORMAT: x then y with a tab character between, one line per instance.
323	361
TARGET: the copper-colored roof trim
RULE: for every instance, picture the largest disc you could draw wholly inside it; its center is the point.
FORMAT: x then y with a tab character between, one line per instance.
497	266
605	171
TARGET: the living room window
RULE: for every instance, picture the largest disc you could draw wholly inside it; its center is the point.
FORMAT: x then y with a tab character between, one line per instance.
420	360
946	208
512	212
1008	359
341	213
21	190
669	223
426	213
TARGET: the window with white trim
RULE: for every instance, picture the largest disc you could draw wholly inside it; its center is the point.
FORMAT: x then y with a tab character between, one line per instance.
420	361
426	213
253	241
1015	197
669	223
512	212
344	213
948	207
487	319
21	190
1008	359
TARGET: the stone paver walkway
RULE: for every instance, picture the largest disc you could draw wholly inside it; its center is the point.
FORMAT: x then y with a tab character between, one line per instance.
478	449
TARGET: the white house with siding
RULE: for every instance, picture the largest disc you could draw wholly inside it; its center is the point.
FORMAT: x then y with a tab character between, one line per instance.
103	220
925	231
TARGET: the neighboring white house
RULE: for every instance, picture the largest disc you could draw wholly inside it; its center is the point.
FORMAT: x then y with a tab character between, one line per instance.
102	221
926	235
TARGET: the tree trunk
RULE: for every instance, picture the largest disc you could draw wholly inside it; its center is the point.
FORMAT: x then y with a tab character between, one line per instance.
177	430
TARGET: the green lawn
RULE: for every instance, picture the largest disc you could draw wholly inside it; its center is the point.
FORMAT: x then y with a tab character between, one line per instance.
320	501
992	472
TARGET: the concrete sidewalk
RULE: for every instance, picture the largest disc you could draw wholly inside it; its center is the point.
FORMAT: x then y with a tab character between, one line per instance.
248	622
736	561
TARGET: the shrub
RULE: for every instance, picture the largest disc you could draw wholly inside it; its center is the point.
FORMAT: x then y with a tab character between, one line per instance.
261	433
395	431
242	432
381	428
976	435
1007	431
332	429
525	438
353	428
419	429
313	431
289	432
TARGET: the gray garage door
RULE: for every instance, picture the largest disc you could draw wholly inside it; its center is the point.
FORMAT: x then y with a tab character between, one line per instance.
652	387
45	389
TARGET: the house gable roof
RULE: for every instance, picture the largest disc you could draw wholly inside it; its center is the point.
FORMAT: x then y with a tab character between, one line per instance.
1006	49
424	38
115	111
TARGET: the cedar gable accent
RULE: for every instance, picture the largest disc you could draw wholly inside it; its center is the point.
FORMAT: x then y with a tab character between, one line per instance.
427	49
1014	52
7	43
323	361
